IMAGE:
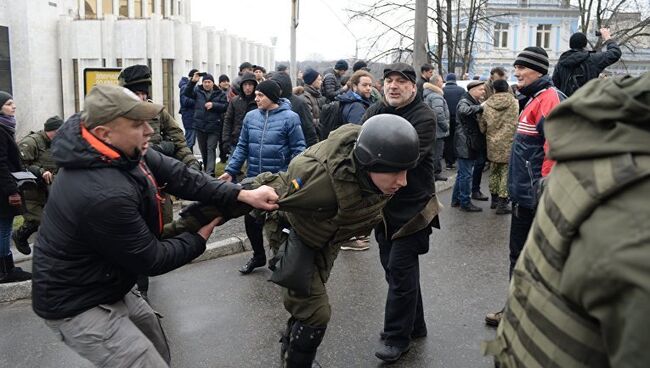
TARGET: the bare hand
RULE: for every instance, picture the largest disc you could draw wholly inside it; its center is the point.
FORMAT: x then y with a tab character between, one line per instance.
226	177
15	200
605	33
195	77
206	230
208	105
47	177
264	198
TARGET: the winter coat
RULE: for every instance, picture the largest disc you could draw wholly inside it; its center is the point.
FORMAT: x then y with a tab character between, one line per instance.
165	129
331	86
299	106
9	162
433	97
469	140
269	139
595	63
36	154
315	101
207	121
232	122
453	94
499	122
103	222
352	107
187	105
528	162
414	199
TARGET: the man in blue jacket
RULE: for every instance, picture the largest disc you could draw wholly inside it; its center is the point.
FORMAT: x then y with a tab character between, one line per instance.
209	106
270	137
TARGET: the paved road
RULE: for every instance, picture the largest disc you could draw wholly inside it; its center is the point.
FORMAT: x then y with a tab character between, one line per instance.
218	318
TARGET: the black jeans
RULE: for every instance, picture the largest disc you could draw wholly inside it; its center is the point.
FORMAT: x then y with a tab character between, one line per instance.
208	143
437	155
449	152
255	233
400	258
520	224
477	175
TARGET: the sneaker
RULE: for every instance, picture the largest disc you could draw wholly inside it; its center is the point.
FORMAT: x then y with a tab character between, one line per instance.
440	178
493	319
356	244
471	208
479	196
391	354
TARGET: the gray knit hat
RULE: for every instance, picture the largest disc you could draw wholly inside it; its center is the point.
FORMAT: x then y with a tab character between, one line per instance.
534	58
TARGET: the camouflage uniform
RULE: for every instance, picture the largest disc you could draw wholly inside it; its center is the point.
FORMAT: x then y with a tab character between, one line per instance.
580	291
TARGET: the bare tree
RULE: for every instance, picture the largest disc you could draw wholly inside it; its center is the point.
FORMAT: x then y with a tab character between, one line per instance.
629	20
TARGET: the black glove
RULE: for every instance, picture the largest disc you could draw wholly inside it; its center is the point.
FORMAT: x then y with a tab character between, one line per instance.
165	147
194	165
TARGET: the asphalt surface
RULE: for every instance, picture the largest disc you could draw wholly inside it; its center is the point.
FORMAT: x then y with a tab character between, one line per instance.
215	317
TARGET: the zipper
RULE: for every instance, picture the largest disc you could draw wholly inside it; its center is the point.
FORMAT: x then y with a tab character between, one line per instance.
159	197
266	120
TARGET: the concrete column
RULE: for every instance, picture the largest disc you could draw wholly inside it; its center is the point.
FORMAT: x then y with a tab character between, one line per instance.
82	9
212	52
100	8
244	51
131	8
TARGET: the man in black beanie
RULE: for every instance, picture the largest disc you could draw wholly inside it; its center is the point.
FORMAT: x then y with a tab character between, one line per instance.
578	66
332	80
299	106
528	162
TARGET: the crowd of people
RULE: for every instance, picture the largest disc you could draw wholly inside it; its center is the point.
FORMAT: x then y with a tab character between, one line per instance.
315	168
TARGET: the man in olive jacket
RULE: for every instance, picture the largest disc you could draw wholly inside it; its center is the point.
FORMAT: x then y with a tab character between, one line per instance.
580	290
408	217
102	227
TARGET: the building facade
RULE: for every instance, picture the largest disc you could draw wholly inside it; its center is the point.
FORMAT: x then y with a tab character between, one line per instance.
45	46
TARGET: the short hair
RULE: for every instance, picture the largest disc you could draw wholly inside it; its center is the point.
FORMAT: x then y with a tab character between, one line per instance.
426	67
356	77
500	71
259	67
281	68
434	78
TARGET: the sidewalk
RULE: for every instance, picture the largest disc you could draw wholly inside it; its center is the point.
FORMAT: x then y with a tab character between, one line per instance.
225	240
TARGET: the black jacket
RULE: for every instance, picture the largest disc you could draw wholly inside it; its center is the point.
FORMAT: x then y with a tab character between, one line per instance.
102	224
452	94
331	86
595	63
410	200
232	121
299	106
9	162
468	140
207	121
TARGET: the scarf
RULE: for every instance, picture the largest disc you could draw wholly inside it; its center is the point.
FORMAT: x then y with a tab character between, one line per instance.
8	121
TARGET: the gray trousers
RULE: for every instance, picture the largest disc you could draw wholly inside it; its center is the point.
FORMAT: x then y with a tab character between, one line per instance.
123	334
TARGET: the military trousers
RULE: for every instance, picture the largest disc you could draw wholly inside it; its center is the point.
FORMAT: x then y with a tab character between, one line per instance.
34	204
127	333
404	313
499	179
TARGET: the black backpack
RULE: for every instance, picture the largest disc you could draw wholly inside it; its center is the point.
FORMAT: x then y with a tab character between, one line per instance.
329	119
575	78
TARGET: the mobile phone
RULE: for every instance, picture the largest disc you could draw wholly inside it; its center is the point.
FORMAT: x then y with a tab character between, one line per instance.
203	74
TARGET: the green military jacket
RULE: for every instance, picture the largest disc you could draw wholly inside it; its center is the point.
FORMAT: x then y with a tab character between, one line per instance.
580	291
499	122
166	129
324	198
36	154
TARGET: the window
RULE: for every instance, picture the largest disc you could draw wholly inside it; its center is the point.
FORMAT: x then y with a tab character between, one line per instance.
5	61
544	36
118	63
501	35
168	84
124	8
107	8
137	5
90	7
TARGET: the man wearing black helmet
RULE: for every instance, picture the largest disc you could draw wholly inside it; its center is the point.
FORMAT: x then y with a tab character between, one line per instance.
331	192
408	216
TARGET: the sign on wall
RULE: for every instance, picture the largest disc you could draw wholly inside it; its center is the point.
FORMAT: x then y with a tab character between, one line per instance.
95	76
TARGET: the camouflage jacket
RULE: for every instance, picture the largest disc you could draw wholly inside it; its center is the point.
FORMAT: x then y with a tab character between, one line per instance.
499	123
167	130
36	154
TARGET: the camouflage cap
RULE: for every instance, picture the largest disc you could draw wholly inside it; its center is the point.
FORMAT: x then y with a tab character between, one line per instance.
105	103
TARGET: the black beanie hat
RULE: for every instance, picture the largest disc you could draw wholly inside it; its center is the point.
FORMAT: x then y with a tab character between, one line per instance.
359	65
52	123
223	78
309	76
209	77
535	58
341	65
4	97
578	41
500	85
191	73
270	89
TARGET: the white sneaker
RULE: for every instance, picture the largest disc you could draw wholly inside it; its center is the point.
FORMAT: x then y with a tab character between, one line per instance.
356	244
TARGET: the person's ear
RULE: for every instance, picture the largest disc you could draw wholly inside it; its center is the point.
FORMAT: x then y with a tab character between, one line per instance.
102	132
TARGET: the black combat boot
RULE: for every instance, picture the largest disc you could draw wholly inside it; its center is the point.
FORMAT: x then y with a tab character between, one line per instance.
494	200
502	207
302	345
21	236
10	273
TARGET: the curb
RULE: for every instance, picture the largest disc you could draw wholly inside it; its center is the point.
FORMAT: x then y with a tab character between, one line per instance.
220	248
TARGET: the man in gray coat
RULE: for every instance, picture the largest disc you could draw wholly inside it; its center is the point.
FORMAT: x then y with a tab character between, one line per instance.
433	97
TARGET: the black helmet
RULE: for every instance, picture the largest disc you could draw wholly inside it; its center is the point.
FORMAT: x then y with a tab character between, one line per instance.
387	143
136	78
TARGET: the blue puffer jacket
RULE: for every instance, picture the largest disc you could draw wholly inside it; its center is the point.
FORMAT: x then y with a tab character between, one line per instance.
353	106
269	139
187	105
207	121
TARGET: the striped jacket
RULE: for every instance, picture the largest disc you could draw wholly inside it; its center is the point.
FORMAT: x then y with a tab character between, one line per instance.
528	161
